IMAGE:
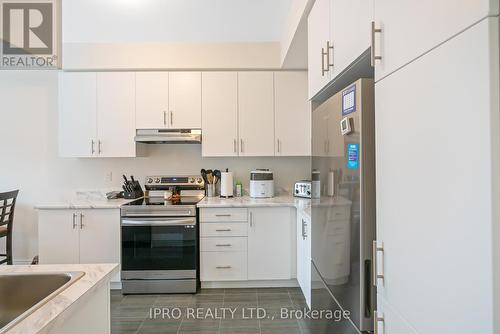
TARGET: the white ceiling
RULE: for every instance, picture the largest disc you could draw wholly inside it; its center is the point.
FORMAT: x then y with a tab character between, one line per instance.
136	21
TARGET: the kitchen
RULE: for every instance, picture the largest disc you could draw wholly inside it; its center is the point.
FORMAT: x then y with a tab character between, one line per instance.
326	97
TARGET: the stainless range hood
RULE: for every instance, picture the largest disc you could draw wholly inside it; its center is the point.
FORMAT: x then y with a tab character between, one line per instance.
168	136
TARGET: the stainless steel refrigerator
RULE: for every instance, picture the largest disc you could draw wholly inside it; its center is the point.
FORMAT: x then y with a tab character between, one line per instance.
343	210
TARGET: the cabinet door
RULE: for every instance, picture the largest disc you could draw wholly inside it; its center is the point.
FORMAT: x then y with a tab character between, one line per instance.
269	244
77	114
318	33
58	237
414	27
256	113
219	114
417	265
185	100
292	114
304	255
116	114
151	89
350	31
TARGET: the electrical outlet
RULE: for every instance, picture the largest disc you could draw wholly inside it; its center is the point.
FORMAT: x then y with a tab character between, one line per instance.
109	177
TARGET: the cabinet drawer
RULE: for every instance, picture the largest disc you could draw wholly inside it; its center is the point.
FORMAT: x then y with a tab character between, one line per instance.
223	266
224	244
338	227
223	215
223	229
338	213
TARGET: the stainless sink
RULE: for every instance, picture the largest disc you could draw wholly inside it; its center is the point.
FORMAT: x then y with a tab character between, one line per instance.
22	294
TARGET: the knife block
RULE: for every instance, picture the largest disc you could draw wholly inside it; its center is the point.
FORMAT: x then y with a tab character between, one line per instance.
135	193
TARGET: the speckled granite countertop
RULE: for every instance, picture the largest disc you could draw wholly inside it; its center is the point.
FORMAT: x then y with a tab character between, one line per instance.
44	318
84	204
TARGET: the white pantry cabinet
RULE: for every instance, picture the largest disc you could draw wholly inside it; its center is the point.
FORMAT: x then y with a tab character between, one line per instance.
116	114
292	114
256	113
433	249
77	114
67	236
270	243
151	90
412	29
97	114
304	255
184	100
219	114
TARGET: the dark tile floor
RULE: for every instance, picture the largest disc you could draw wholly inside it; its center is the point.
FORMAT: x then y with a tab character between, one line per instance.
135	313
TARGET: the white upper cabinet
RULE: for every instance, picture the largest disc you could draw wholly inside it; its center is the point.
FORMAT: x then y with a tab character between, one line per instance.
270	243
292	114
151	100
318	33
116	114
77	114
220	114
256	113
350	31
184	100
412	29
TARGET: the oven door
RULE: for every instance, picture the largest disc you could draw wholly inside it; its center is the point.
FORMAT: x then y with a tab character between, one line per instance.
159	248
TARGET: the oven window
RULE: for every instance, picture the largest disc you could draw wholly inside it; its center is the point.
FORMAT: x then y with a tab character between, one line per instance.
158	248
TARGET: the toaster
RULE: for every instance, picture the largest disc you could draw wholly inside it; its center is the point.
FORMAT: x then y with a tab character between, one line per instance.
302	189
261	183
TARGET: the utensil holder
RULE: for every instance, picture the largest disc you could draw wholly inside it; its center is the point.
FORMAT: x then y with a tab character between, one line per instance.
210	190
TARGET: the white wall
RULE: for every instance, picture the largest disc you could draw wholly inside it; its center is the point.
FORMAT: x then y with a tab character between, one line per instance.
28	148
142	21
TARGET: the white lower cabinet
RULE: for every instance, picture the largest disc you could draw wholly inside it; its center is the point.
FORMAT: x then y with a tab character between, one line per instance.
79	236
246	244
269	244
304	255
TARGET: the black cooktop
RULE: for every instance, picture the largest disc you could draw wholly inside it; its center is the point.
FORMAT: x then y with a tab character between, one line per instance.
159	201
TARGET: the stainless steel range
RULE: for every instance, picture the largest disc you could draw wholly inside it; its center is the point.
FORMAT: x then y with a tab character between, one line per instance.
159	236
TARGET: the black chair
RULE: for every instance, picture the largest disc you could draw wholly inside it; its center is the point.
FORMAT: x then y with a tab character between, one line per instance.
7	206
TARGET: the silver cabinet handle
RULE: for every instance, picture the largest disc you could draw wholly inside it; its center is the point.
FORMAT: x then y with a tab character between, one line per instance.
223	267
99	146
165	118
251	219
171	118
223	215
82	225
323	70
376	319
92	146
223	230
279	148
241	145
304	229
376	276
235	149
223	245
74	221
328	48
373	54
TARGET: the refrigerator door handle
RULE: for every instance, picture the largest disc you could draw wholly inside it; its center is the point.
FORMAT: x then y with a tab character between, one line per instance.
375	272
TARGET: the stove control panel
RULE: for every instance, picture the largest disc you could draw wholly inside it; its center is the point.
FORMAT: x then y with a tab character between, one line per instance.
166	181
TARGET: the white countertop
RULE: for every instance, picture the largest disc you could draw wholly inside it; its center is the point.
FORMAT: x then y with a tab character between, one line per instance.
42	319
84	204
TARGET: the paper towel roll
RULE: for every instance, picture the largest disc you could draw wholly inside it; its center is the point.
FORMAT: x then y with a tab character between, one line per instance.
226	184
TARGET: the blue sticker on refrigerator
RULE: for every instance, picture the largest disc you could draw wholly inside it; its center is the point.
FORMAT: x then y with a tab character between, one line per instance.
352	156
349	100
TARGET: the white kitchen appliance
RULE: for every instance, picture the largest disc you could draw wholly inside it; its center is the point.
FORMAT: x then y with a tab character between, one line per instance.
261	183
226	184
